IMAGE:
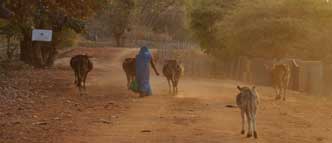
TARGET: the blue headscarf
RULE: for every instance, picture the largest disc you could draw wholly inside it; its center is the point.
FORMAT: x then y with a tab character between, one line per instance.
144	51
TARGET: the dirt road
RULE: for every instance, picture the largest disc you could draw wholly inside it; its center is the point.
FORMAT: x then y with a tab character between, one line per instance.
197	114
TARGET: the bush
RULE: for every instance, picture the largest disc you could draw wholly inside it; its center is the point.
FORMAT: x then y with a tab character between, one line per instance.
277	29
68	38
265	28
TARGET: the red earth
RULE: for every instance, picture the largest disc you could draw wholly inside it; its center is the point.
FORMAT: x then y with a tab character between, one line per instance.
46	107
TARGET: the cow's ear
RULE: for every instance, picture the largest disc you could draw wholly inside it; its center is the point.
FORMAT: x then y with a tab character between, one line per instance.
238	87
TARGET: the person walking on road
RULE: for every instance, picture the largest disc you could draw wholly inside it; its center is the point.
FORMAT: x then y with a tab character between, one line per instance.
143	61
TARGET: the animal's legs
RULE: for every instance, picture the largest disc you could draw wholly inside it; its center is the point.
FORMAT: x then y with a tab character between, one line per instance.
278	92
243	121
176	85
254	125
128	80
173	86
285	92
75	75
169	85
84	79
249	120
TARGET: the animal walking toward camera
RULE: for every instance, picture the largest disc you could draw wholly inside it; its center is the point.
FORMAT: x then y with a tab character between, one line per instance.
129	67
247	100
172	70
280	75
81	66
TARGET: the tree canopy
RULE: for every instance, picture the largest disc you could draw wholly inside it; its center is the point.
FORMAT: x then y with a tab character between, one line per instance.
262	28
138	18
57	15
204	17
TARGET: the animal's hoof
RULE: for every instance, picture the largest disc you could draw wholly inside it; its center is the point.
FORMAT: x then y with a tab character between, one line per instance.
242	132
249	135
255	135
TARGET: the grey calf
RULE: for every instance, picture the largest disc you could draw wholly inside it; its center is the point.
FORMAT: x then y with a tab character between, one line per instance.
247	101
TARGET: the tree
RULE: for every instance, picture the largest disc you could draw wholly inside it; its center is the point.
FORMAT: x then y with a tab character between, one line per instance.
204	18
268	29
48	14
149	12
138	19
10	33
156	19
278	29
120	11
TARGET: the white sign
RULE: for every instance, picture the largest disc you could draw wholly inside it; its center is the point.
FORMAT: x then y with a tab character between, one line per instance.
42	35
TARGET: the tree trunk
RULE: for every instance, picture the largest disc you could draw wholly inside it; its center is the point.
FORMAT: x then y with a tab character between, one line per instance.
50	53
38	57
9	51
26	49
37	54
52	50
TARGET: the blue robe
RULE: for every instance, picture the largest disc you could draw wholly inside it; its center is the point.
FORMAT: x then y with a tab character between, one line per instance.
143	60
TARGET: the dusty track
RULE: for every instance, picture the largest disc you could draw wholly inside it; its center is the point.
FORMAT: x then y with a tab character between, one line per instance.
197	114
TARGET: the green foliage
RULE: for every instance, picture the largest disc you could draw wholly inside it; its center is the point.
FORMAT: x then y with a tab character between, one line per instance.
58	15
3	22
204	16
158	14
140	19
120	11
277	29
113	20
68	38
262	28
52	14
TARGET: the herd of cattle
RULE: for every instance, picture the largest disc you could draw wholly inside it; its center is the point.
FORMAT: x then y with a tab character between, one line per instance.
82	65
247	100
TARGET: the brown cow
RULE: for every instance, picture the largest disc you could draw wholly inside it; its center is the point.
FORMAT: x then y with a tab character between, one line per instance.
129	66
81	65
280	75
172	70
